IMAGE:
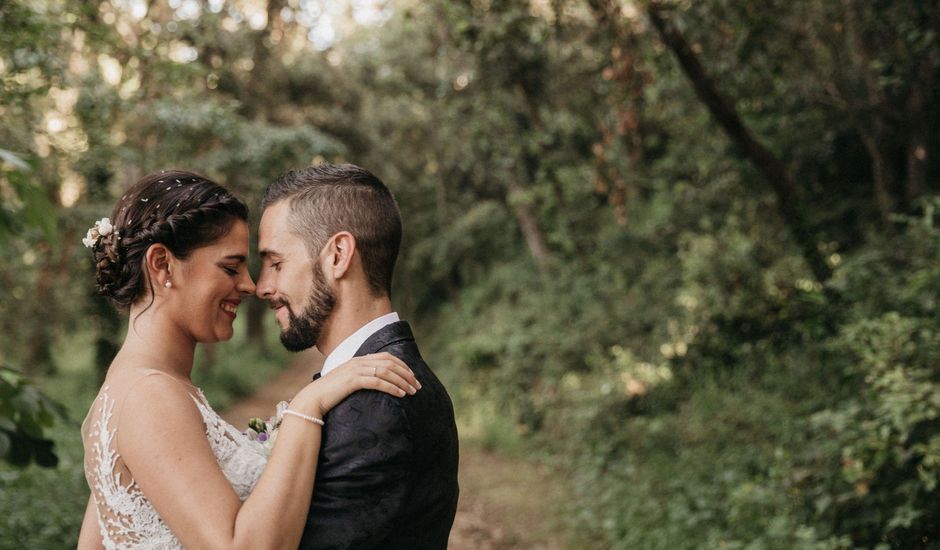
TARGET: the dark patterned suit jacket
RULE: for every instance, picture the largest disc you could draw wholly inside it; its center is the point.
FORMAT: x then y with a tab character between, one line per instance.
387	474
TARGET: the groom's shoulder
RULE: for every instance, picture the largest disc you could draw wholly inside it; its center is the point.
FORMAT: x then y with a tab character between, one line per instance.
369	410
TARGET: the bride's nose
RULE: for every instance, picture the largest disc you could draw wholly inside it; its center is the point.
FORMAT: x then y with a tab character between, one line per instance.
245	284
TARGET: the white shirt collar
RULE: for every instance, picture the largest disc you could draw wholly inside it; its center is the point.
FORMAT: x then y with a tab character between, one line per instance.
348	347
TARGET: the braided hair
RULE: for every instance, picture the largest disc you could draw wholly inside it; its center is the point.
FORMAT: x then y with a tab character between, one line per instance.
181	210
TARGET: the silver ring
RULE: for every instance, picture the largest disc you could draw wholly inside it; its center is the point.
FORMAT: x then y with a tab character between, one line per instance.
374	369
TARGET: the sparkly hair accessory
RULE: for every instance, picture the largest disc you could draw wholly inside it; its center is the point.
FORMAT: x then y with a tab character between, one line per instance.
102	228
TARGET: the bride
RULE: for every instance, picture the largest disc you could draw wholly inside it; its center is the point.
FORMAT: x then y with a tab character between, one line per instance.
165	471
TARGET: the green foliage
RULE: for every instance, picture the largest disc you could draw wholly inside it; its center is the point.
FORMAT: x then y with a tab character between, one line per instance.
882	441
43	508
598	273
888	436
24	206
25	412
25	416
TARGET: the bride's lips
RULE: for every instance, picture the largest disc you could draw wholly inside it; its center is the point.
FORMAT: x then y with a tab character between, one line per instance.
229	307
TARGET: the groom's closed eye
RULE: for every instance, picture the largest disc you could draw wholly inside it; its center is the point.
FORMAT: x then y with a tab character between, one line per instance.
270	259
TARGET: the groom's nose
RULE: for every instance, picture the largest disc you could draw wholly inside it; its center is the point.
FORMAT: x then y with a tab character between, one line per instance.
265	288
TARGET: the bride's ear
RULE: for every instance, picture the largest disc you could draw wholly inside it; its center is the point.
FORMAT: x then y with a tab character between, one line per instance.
158	262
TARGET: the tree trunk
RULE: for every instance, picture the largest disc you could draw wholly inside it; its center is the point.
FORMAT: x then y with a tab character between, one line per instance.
873	129
254	322
882	171
771	167
519	203
534	238
921	89
39	347
107	342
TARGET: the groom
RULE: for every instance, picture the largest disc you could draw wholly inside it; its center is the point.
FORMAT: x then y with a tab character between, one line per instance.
387	473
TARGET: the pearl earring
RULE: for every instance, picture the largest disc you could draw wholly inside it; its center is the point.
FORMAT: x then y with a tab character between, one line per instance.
168	284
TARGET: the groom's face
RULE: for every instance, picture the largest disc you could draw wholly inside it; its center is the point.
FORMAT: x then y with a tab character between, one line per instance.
291	281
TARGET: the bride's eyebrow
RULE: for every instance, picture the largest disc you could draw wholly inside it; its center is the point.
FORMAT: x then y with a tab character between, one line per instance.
236	257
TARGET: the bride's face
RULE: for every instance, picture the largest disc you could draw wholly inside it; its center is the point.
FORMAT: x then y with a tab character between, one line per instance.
209	285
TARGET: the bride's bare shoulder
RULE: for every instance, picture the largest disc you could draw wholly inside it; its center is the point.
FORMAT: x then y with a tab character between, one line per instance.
156	410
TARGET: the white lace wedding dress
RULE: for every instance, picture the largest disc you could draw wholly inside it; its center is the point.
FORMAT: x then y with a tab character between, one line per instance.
125	516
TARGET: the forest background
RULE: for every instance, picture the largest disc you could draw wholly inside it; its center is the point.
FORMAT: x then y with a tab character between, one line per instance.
686	252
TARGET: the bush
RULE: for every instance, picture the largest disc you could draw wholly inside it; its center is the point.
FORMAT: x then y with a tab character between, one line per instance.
713	397
25	415
887	437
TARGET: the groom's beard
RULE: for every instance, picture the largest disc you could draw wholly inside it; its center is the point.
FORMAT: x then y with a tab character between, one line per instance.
304	330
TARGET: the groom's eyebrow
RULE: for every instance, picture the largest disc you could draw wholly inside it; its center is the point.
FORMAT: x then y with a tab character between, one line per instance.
236	257
265	253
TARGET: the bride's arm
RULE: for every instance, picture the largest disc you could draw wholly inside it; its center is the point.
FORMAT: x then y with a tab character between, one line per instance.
163	442
89	538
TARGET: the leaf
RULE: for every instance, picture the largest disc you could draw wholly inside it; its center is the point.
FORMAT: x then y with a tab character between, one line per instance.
10	376
37	210
20	452
7	424
44	454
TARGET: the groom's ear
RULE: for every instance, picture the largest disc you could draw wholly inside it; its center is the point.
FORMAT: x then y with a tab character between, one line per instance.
340	252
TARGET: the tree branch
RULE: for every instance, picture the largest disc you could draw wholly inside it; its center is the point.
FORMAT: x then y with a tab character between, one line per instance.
768	164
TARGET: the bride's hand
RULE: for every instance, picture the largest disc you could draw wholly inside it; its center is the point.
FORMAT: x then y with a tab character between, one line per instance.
380	371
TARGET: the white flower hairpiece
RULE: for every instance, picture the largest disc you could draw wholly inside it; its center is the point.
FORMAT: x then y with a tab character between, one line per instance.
102	228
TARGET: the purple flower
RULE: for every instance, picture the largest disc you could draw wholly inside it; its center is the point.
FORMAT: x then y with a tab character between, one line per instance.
262	437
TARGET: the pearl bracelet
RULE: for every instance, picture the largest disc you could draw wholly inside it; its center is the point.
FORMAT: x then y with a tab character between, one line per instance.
308	418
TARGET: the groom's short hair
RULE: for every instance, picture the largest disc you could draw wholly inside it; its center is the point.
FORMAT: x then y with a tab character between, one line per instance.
328	198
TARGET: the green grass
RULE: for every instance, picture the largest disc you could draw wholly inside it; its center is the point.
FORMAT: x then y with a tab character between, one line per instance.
42	508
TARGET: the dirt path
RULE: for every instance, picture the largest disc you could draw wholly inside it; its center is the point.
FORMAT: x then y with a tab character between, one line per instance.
505	503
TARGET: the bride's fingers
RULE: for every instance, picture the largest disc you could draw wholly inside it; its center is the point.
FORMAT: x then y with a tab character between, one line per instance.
394	374
385	358
385	361
376	383
399	367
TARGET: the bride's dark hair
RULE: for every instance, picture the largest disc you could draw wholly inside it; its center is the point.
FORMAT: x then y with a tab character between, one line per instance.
179	209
